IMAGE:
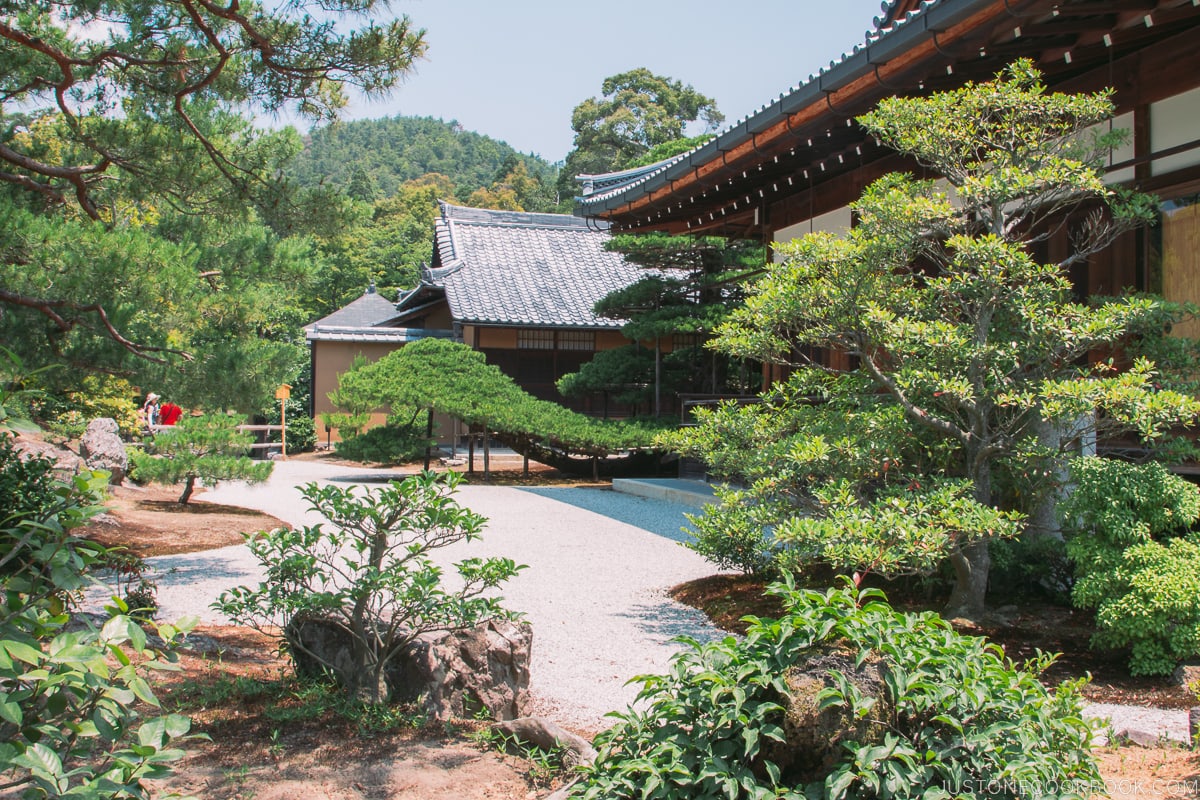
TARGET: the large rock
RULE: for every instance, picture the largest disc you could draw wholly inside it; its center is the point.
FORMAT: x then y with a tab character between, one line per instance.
454	674
813	738
548	736
1187	675
101	448
66	461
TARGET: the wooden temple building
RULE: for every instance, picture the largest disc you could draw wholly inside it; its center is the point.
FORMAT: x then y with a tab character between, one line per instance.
796	164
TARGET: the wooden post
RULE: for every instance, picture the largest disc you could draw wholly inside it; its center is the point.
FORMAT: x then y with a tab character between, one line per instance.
282	394
525	463
428	438
470	452
487	453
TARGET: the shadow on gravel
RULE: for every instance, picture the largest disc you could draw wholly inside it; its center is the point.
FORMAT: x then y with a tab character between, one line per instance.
656	516
186	569
667	620
367	477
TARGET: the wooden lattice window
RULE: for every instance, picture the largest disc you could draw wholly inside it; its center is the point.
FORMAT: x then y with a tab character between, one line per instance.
532	339
577	340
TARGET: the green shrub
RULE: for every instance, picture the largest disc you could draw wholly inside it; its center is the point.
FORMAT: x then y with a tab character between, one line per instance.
385	444
78	717
1136	564
956	716
301	430
98	396
735	538
207	448
1032	565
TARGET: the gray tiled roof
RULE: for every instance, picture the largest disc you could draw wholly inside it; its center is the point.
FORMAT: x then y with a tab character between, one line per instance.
518	268
890	35
365	312
321	333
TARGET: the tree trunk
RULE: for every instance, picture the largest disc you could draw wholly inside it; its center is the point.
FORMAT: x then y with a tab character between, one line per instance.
188	486
657	377
428	438
972	561
971	564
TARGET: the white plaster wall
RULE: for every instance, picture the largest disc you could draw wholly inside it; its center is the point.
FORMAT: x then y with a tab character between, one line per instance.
838	222
1175	121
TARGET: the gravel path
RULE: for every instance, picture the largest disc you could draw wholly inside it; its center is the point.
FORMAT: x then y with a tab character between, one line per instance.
599	564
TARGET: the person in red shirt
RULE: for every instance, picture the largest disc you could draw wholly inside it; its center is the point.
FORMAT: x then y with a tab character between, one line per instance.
169	414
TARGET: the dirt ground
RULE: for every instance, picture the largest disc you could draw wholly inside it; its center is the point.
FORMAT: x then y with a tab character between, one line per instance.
275	746
270	744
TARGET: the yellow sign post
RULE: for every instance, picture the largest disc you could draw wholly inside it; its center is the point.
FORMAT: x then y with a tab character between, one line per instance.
282	394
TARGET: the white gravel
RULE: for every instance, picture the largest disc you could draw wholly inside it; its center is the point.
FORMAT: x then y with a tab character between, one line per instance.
599	564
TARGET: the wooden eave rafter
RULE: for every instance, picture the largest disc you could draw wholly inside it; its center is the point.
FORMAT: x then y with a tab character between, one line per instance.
723	194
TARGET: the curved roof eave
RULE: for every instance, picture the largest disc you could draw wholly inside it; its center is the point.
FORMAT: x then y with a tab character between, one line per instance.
880	47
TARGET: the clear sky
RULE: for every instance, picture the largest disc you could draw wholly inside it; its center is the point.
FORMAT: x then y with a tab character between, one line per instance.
515	69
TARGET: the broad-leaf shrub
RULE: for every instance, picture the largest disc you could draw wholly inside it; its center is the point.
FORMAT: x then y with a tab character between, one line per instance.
1137	564
739	535
97	396
301	430
71	723
372	572
958	717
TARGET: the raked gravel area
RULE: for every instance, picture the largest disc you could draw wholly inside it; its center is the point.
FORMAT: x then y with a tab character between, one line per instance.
599	564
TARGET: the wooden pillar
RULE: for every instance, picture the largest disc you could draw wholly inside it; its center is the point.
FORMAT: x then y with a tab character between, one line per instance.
429	437
487	453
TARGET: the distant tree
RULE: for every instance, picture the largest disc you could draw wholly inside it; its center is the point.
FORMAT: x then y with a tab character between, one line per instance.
690	286
515	189
386	244
636	111
362	186
395	150
661	152
208	448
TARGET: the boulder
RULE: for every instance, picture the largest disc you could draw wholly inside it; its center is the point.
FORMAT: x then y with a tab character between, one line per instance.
66	461
101	448
457	674
1187	675
813	738
548	736
460	674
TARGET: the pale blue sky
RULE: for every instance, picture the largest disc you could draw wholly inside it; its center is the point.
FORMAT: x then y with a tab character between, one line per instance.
515	69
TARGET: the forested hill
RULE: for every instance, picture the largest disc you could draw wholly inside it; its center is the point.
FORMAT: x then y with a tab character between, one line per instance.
393	150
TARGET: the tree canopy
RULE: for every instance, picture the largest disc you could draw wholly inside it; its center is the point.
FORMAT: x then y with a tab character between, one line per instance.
451	378
145	213
635	111
689	286
119	116
111	99
963	365
395	150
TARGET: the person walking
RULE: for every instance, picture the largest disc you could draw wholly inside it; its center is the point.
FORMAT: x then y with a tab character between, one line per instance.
150	410
169	413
